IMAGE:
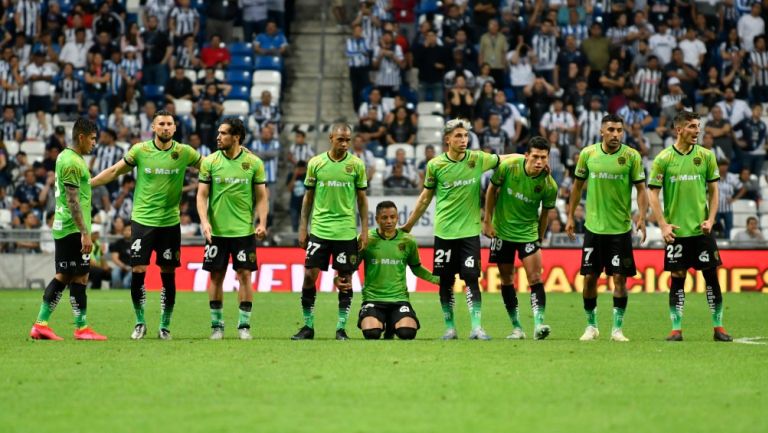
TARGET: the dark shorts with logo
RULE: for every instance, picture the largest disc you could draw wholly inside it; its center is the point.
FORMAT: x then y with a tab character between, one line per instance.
241	249
697	252
457	256
319	252
69	259
612	253
387	313
164	241
503	252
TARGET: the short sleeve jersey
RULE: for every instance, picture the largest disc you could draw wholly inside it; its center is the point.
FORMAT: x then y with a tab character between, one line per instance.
684	179
231	196
609	178
457	190
72	171
516	217
159	180
385	266
335	184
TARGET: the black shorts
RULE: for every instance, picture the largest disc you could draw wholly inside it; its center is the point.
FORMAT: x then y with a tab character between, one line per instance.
503	252
457	256
388	313
165	241
319	252
610	252
242	250
697	252
69	259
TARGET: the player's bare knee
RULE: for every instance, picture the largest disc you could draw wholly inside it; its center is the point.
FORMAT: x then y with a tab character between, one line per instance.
243	276
534	278
678	274
310	276
620	286
406	322
79	279
370	323
139	269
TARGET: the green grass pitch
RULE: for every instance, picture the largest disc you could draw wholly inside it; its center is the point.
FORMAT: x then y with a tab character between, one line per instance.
272	384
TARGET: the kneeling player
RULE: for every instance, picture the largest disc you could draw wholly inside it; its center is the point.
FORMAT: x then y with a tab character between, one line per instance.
232	177
688	173
385	307
514	224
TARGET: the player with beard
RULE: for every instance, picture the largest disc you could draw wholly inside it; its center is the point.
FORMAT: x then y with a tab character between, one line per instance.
160	165
609	169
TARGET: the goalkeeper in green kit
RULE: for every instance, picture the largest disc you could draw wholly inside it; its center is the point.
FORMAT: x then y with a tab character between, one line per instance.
385	307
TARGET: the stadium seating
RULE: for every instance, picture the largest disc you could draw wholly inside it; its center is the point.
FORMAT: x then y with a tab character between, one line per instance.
239	92
393	148
236	108
183	106
241	63
429	136
764	223
238	77
240	49
429	121
154	93
273	63
431	108
34	148
258	88
191	74
12	147
218	74
5	217
744	206
267	77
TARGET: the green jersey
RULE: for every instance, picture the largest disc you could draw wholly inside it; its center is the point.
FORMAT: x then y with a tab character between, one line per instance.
159	180
335	184
684	179
385	266
457	190
231	197
72	171
609	178
516	217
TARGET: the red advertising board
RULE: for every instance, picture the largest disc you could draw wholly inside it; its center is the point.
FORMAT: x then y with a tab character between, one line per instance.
282	270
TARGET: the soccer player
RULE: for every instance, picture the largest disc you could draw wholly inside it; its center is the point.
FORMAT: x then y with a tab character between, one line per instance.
335	180
72	237
513	222
454	177
231	181
385	307
160	164
609	169
688	173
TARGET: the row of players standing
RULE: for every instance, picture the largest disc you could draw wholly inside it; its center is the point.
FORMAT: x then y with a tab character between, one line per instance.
232	182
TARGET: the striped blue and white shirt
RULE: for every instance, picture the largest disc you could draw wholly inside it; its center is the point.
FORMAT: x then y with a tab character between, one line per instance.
760	60
589	124
106	156
115	79
185	20
631	116
358	53
131	67
579	31
545	47
388	74
265	152
29	11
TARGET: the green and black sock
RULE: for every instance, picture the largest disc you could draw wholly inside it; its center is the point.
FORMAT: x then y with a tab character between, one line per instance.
138	295
217	313
79	301
51	298
167	299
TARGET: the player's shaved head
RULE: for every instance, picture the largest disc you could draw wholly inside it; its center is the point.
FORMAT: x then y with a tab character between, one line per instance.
340	127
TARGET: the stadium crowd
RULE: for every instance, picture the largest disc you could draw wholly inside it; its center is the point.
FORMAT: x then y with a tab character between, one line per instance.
515	68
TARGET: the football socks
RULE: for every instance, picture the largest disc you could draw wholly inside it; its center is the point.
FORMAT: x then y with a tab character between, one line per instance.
447	300
677	302
51	298
590	307
167	298
308	295
79	301
138	295
244	315
538	303
714	296
619	307
509	296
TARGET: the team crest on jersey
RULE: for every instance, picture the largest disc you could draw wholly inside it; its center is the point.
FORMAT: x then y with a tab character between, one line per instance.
401	246
537	189
697	161
660	177
622	160
471	163
246	166
353	259
175	155
349	168
252	257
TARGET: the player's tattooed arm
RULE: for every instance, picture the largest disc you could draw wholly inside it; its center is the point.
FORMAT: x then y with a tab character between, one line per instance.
421	206
73	203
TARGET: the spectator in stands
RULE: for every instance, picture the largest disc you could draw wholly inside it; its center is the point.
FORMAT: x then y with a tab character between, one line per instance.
735	109
12	81
29	191
388	60
108	21
207	120
97	79
196	143
459	100
99	270
295	185
40	127
210	78
372	131
268	149
751	25
183	20
484	101
693	49
215	54
10	127
359	61
106	154
68	97
575	26
178	86
453	22
213	93
103	46
511	120
122	200
187	54
638	141
431	59
751	184
711	87
633	113
254	14
684	72
122	124
589	123
30	222
188	227
266	110
612	80
120	255
596	48
562	122
494	138
58	138
22	49
93	114
567	57
758	59
751	237
662	43
467	48
220	17
398	180
132	38
708	142
374	101
300	150
54	21
671	104
272	42
7	166
429	153
539	95
39	75
159	9
359	150
730	189
751	144
647	82
545	49
578	98
157	53
401	130
409	171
